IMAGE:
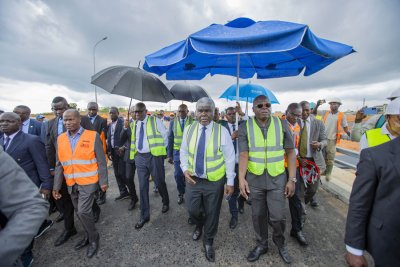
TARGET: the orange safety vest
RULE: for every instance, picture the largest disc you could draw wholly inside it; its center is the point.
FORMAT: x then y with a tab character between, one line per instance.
339	125
296	139
79	166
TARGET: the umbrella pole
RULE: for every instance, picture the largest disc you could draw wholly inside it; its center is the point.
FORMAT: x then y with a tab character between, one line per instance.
237	87
247	105
129	109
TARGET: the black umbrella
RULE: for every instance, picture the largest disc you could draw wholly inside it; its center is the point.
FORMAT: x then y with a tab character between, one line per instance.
187	92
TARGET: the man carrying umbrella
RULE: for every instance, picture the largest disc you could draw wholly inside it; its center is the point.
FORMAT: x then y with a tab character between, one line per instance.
175	134
207	157
148	148
263	141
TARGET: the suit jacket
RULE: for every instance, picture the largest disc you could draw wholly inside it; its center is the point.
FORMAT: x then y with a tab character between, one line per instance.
100	125
317	133
373	219
52	134
29	152
35	127
117	134
23	207
125	138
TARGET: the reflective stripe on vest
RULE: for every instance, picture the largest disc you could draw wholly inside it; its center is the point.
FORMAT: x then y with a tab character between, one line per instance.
376	138
79	166
178	133
265	153
154	138
339	125
214	159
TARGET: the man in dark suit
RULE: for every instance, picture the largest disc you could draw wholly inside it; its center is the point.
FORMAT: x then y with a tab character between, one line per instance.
373	219
28	126
28	151
100	126
56	127
114	153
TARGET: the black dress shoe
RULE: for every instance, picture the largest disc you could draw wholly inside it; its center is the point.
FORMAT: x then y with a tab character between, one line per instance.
92	248
123	196
284	255
180	199
140	223
59	218
82	243
96	215
209	252
300	238
64	237
256	253
132	204
314	203
241	210
233	223
197	233
165	208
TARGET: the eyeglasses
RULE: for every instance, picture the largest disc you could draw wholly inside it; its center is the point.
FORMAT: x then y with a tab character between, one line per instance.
138	111
295	115
265	105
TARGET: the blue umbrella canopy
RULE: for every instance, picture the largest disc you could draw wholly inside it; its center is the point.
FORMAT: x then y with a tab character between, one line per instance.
247	92
243	48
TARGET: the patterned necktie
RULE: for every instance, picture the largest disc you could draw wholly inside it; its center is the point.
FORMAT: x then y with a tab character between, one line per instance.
5	146
303	140
141	136
182	124
234	141
201	147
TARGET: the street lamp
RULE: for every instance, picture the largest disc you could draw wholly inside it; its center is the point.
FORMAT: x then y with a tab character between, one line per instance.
94	63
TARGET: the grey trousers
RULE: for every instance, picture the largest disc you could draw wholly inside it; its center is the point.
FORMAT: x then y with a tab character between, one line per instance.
82	198
204	201
147	164
268	202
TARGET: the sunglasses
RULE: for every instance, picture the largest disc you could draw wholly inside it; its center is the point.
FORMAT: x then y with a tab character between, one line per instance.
138	111
265	105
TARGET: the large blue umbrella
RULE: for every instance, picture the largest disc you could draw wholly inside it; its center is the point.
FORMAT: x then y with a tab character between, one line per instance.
247	92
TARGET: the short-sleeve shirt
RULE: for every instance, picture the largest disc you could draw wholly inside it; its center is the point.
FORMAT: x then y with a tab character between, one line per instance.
331	125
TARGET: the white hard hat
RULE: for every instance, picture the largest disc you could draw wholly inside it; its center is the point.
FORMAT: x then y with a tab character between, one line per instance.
393	108
335	100
395	94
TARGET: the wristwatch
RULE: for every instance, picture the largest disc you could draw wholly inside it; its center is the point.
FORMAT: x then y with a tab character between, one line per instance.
293	179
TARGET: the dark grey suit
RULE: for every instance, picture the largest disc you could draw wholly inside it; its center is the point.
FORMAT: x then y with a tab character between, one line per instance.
373	219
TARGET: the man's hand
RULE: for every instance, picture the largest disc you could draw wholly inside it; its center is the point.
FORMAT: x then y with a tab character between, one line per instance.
228	190
109	156
45	192
104	187
170	160
320	102
56	194
360	116
235	135
302	162
289	189
355	261
315	145
126	123
244	188
52	172
239	109
188	177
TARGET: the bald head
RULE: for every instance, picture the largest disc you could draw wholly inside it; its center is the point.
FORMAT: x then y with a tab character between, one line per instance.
260	98
72	120
293	112
92	108
24	112
10	123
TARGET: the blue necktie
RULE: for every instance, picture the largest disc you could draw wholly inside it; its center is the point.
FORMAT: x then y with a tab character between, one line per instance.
182	124
7	142
201	147
234	141
141	136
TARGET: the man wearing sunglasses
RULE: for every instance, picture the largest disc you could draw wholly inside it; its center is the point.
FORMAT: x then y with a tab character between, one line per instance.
263	141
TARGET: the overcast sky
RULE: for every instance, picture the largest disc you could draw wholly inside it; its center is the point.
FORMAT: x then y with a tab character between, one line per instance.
46	47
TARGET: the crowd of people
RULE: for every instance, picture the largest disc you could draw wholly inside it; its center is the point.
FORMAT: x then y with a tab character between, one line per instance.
261	160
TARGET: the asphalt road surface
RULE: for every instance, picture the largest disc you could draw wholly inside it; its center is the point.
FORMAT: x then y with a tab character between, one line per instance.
166	239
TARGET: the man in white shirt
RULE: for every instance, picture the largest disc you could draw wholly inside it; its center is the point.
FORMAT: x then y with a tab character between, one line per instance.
207	157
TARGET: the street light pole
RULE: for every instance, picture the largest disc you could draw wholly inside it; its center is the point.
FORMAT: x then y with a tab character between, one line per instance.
94	63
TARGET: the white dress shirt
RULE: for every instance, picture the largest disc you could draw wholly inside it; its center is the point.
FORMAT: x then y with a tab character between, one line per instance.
308	125
226	146
237	147
160	127
25	126
11	138
113	125
384	130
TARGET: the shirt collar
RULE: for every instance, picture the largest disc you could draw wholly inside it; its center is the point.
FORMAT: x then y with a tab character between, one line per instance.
11	136
25	123
78	133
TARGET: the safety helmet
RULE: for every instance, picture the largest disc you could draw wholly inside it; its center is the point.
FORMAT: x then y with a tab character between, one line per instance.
310	173
335	100
395	94
393	108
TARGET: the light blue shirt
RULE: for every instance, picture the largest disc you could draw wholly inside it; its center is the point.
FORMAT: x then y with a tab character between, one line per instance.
60	126
73	140
25	126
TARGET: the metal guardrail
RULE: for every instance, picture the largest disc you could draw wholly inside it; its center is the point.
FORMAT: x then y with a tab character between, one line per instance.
347	152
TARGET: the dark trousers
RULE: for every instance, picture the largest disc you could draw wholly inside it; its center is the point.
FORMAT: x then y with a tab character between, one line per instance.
130	178
119	171
66	206
204	201
179	178
295	206
269	202
236	199
147	164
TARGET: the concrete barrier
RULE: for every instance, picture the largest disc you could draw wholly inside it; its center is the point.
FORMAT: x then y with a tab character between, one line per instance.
340	184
